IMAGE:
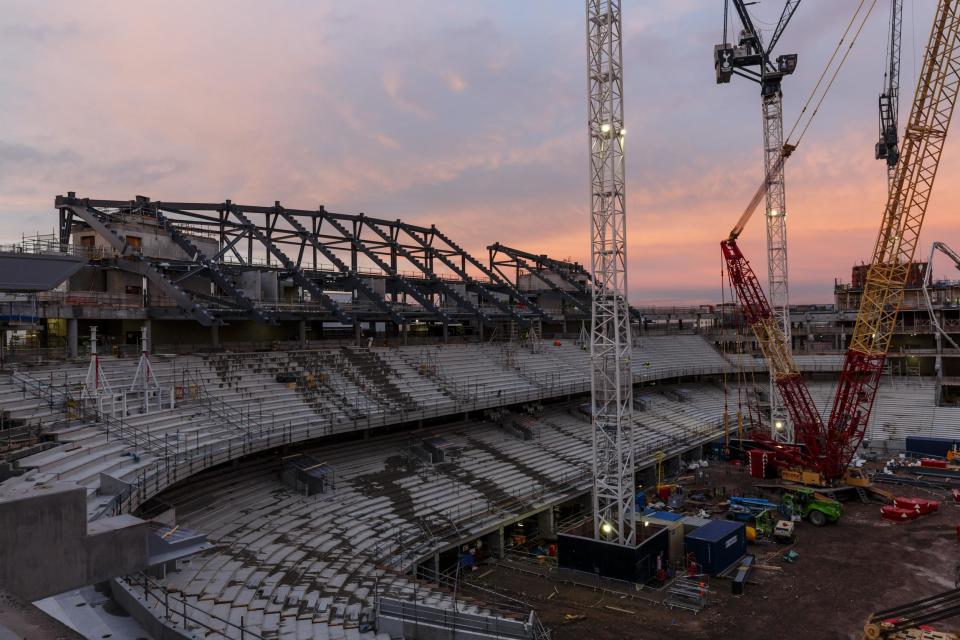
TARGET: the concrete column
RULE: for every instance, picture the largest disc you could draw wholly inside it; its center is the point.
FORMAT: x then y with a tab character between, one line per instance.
72	333
358	333
302	332
215	335
495	544
938	363
446	332
481	331
545	523
436	568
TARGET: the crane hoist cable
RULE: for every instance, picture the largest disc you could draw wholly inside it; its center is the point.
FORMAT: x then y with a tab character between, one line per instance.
725	352
790	147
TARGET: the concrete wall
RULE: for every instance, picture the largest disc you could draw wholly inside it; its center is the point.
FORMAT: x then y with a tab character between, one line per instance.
155	243
153	625
46	546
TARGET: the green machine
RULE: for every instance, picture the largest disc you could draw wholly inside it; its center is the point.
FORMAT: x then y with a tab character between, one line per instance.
806	504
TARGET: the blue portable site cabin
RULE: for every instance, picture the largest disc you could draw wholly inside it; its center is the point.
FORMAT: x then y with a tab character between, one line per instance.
666	516
717	545
931	446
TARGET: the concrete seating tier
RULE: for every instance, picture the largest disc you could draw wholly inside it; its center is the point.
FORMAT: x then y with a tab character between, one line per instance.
289	565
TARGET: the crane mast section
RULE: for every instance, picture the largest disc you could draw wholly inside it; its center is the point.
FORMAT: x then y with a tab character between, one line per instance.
776	226
887	147
610	343
896	242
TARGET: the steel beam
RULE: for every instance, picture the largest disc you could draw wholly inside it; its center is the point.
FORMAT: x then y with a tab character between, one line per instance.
403	283
298	275
213	269
520	261
494	277
486	293
462	302
352	277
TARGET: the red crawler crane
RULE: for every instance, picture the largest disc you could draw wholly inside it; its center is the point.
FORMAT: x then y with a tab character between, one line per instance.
829	448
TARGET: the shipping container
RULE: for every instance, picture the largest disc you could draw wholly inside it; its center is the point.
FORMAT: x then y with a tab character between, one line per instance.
931	446
717	545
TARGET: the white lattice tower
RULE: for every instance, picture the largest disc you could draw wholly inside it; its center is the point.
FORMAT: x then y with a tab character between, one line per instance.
612	389
776	202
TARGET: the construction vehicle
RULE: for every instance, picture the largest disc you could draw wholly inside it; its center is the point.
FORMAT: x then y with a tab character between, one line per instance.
829	447
808	505
748	508
763	513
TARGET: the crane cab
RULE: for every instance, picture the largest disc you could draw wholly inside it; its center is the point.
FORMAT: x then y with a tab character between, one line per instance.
856	478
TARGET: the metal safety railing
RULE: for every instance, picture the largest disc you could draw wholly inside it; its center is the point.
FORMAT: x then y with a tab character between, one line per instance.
248	434
179	610
87	408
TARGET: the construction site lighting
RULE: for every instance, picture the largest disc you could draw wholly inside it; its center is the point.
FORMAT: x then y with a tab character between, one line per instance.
778	424
605	127
607	528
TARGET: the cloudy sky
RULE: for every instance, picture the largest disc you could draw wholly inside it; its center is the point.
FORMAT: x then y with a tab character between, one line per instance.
469	114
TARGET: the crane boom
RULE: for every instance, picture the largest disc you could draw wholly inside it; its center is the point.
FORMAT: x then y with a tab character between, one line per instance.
893	253
783	370
887	147
788	10
927	281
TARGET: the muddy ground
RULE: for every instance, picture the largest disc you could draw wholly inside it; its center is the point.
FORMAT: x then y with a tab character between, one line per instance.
845	571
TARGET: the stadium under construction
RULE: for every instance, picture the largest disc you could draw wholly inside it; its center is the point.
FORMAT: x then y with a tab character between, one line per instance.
258	421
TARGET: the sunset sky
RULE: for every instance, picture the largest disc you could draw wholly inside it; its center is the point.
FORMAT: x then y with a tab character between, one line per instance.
467	114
